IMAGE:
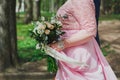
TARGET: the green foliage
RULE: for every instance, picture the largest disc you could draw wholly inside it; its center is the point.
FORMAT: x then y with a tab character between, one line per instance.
51	67
47	14
110	17
112	6
26	47
106	50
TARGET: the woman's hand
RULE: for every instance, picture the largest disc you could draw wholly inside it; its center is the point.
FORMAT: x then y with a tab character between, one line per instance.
59	46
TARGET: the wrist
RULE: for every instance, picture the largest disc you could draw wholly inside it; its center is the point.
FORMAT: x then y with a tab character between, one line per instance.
65	43
61	45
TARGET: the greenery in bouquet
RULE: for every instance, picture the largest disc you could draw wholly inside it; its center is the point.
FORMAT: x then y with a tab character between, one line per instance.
46	32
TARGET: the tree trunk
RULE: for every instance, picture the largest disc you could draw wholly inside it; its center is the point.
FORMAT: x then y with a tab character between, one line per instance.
58	4
28	11
19	7
102	10
8	47
52	9
13	33
36	9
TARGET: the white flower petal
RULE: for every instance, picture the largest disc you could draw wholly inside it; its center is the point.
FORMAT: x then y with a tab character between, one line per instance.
38	46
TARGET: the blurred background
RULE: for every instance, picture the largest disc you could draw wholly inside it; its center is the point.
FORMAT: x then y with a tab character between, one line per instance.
19	53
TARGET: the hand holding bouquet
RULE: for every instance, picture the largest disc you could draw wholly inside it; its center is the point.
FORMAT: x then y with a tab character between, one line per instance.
46	32
49	32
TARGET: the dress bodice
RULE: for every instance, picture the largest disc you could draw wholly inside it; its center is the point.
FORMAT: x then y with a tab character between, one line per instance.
74	15
79	23
65	15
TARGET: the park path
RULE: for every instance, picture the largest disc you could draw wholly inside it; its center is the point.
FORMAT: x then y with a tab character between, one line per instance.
110	33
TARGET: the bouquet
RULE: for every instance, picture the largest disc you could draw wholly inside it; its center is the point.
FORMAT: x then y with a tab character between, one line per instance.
46	32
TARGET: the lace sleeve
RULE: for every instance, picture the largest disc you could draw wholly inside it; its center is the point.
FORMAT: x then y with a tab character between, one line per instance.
84	13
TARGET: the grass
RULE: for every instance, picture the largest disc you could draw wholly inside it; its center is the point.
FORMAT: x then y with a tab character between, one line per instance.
26	45
106	50
110	17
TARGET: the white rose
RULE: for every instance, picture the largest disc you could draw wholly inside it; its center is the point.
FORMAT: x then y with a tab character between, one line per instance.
42	18
47	32
38	46
34	30
50	26
40	32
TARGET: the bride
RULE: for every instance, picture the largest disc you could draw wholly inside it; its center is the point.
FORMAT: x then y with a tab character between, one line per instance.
78	42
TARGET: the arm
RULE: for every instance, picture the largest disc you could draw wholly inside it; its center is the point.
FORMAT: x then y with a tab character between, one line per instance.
84	13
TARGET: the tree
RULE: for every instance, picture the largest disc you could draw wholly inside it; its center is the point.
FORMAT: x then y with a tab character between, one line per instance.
110	6
52	7
32	9
36	9
19	7
28	11
8	45
102	7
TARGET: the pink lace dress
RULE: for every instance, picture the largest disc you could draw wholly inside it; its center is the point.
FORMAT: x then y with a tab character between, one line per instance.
78	19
